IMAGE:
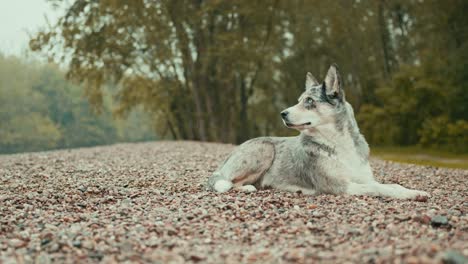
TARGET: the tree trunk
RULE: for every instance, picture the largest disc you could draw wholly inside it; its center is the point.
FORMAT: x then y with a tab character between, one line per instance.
384	37
188	68
243	132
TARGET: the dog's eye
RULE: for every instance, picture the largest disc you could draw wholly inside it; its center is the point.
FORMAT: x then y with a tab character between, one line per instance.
309	103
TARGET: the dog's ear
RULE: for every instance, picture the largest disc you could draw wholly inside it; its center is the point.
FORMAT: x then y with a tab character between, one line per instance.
332	83
310	80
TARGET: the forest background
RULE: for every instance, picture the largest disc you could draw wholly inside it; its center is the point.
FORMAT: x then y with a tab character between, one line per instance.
222	71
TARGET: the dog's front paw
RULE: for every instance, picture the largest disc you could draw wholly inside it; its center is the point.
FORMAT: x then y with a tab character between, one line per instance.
420	196
407	194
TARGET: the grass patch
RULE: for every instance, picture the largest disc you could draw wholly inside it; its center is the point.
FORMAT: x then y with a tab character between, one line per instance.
417	155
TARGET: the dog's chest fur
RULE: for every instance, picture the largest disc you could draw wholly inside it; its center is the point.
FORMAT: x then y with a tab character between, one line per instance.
324	164
345	163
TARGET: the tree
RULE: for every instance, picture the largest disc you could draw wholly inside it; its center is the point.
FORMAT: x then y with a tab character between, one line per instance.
223	70
194	64
25	124
40	110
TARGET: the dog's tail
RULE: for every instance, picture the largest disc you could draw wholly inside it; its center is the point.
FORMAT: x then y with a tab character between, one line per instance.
218	183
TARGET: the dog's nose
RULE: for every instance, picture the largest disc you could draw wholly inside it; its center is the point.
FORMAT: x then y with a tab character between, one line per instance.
284	114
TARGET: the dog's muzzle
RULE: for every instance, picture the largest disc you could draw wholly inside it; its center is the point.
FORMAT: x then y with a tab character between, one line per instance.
284	115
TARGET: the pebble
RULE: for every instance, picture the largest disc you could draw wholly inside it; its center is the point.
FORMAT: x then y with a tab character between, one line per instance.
146	202
77	244
16	243
439	220
423	219
317	214
453	257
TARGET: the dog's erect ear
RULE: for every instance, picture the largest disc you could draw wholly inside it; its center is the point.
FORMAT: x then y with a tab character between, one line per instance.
310	80
333	82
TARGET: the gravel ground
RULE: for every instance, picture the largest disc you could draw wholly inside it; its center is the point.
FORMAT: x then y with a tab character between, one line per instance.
146	203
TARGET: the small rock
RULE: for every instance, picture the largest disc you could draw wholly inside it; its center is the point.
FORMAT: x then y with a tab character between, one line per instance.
87	244
454	219
453	257
454	212
77	244
402	218
370	251
45	241
152	242
317	214
54	247
25	235
16	243
196	258
190	217
50	227
439	220
75	228
413	260
96	255
423	219
43	258
354	231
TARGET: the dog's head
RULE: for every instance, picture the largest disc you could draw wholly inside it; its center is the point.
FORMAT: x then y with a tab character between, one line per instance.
319	104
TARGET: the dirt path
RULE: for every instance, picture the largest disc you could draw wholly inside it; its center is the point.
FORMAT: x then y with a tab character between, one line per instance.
146	203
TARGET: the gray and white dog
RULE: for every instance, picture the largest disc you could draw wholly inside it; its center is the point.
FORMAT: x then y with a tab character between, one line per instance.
329	156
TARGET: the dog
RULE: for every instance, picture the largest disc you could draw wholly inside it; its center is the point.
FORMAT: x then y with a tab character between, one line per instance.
329	156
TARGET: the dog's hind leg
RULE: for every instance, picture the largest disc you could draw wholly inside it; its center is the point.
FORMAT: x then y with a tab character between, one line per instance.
219	183
387	190
244	167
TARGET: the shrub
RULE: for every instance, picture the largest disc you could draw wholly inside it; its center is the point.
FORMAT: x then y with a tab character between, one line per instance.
441	133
